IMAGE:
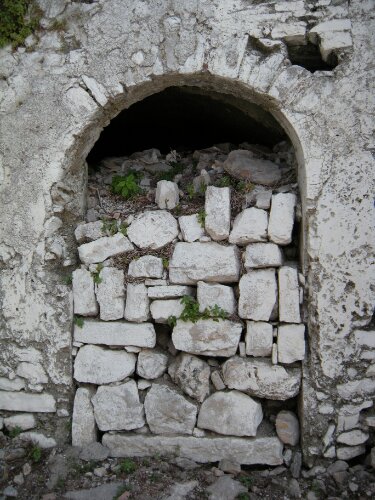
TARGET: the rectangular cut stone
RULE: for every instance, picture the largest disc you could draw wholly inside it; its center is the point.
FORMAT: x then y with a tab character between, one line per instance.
249	226
259	338
84	299
84	429
169	292
111	293
247	451
258	294
282	218
137	303
89	232
22	401
290	343
211	294
161	310
103	248
193	262
191	228
258	255
289	295
114	333
217	208
365	338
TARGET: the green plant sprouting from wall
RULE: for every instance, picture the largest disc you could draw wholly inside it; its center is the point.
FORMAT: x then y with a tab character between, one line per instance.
19	19
191	312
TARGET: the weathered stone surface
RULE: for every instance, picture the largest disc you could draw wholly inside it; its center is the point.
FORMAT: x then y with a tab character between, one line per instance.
84	429
22	401
38	439
11	385
110	293
103	248
249	226
259	338
24	421
89	232
168	412
267	450
117	333
281	218
258	377
225	488
287	427
84	299
147	266
289	295
353	438
192	262
331	35
179	491
96	365
167	194
232	413
293	34
192	375
258	294
217	209
290	343
94	451
33	372
211	294
152	363
241	164
118	407
348	452
161	310
217	380
169	292
362	387
137	306
365	338
207	337
153	229
102	492
258	255
191	228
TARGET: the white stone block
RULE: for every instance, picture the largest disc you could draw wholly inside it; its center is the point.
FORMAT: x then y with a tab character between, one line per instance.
167	195
242	164
191	228
147	266
137	306
292	34
287	427
117	333
22	401
289	295
169	292
152	363
89	232
24	421
152	282
15	384
258	255
332	35
211	294
365	338
153	229
110	293
192	262
217	380
249	226
84	429
217	208
161	310
96	365
263	199
348	452
353	438
259	338
38	439
291	343
192	375
33	372
282	218
84	299
258	294
103	248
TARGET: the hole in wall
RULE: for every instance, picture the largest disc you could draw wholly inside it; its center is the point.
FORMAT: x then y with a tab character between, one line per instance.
308	56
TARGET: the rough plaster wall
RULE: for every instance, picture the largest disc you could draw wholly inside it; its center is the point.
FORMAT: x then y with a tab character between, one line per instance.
56	97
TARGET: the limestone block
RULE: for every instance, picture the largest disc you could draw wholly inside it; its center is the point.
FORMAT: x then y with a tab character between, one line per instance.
161	310
38	439
287	427
258	294
363	387
288	295
192	262
217	380
110	293
207	337
232	413
249	226
118	407
241	164
83	421
147	266
152	363
167	195
226	488
117	333
353	438
290	343
217	208
153	282
169	292
258	377
33	372
259	338
84	299
22	401
365	338
137	306
96	365
258	255
24	421
192	375
89	232
249	451
168	412
211	294
11	385
348	452
292	34
263	199
191	228
103	248
282	218
153	229
332	35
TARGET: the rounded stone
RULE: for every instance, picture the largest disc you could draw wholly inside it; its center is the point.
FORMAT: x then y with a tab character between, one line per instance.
153	229
287	427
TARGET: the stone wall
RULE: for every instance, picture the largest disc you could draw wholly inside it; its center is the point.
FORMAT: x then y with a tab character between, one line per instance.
63	87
